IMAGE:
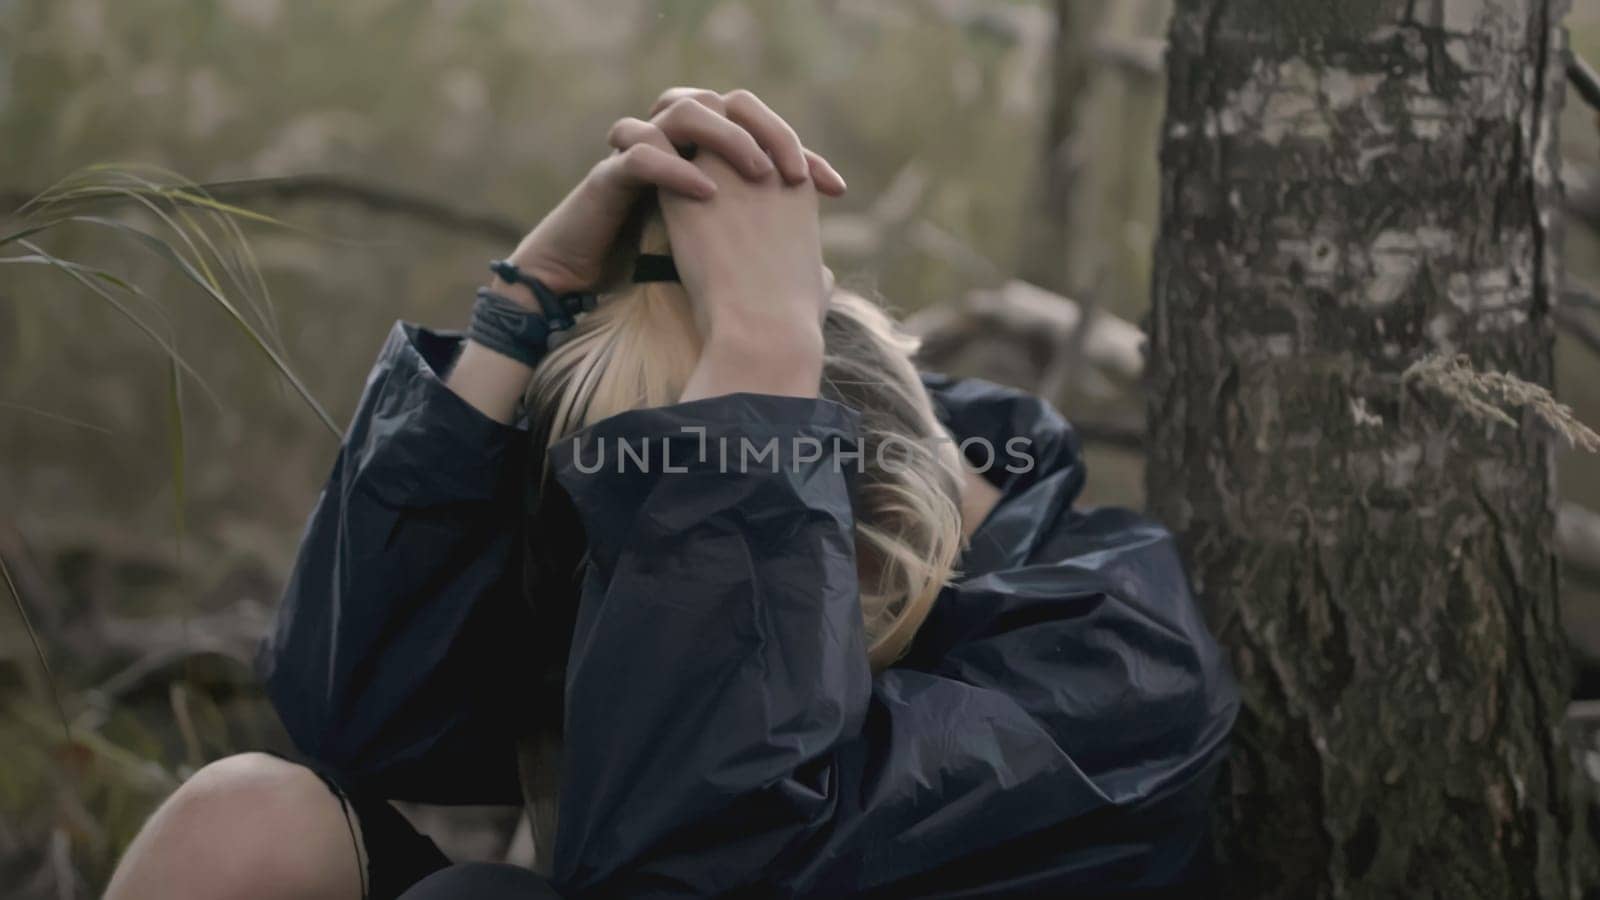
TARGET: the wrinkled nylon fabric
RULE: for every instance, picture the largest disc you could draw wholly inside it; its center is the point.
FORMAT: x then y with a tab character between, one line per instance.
1055	729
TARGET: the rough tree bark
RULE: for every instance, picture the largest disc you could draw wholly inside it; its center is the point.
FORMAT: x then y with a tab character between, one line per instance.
1347	188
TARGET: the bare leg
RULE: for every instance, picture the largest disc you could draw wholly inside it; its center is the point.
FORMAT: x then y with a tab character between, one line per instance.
482	881
248	827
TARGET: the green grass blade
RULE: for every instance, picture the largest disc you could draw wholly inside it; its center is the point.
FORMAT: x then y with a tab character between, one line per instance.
238	212
43	197
165	250
240	266
153	189
172	185
46	260
225	216
54	417
175	432
172	199
182	233
76	272
38	649
230	267
109	278
24	233
142	192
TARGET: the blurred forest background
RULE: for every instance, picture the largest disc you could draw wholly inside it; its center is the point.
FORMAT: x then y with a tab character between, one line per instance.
437	130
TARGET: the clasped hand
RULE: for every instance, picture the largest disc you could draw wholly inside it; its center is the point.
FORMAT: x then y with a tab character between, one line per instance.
741	214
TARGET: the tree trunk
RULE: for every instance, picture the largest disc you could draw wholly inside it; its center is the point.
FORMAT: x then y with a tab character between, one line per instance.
1347	188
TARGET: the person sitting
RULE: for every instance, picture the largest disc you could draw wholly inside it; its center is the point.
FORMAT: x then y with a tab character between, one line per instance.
677	547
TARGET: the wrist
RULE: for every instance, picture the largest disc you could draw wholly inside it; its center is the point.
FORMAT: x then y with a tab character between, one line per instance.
556	277
517	293
793	338
782	359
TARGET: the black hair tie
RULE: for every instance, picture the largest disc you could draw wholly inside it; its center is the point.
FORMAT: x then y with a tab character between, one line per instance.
654	267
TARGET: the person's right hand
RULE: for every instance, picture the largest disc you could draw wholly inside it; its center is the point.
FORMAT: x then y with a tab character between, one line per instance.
751	262
569	248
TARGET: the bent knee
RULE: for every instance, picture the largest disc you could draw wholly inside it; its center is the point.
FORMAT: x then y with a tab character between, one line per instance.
246	777
256	793
256	825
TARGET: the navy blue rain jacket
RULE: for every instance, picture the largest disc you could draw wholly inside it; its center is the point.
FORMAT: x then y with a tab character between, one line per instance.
1055	730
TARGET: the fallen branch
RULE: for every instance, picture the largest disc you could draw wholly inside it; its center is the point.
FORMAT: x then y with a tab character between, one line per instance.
1578	541
232	632
1119	433
1579	325
1032	331
1144	57
341	189
1033	317
1584	79
1582	185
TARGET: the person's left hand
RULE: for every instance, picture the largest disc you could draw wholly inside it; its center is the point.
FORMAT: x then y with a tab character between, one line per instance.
568	249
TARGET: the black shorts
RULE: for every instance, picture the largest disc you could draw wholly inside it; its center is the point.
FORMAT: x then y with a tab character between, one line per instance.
405	864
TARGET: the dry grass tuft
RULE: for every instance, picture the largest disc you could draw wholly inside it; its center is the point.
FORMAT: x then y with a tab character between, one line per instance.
1489	395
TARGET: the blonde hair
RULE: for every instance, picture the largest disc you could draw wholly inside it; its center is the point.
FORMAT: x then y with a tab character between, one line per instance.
640	345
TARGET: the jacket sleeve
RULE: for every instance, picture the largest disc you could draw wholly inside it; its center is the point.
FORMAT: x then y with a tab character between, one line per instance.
390	661
724	732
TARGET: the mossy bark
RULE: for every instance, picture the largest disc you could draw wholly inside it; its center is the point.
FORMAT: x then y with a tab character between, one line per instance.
1347	188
